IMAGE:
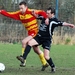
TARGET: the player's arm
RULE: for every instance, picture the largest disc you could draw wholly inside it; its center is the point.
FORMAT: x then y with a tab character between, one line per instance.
60	23
14	15
36	15
68	24
44	15
40	14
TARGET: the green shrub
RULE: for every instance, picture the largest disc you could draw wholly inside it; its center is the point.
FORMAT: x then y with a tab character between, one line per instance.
67	41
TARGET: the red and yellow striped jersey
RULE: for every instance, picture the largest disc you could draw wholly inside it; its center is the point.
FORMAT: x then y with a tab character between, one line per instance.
28	19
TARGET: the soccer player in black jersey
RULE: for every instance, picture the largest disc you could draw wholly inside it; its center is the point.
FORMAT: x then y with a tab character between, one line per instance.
44	38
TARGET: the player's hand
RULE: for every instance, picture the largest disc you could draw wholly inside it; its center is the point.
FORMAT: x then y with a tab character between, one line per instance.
72	26
33	12
47	21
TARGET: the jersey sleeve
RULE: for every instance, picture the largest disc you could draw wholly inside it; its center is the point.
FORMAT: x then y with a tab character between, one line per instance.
40	13
59	23
55	22
13	15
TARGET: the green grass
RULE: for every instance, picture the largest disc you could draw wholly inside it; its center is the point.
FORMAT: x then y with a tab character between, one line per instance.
62	55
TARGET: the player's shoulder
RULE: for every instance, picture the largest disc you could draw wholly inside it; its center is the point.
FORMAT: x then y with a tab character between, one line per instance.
35	10
53	19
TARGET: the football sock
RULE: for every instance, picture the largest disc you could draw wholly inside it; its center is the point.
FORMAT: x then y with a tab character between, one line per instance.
43	60
25	61
26	51
23	50
51	63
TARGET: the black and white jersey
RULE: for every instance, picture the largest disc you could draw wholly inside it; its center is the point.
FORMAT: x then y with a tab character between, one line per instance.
47	30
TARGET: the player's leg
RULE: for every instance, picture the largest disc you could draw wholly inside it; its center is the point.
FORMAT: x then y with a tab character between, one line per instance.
24	43
38	51
49	59
46	45
30	43
31	34
26	51
41	56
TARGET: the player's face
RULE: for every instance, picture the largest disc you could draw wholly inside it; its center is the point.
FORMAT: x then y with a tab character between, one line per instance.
49	13
22	8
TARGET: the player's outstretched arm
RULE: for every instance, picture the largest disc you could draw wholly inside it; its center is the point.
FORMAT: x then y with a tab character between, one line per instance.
68	24
13	15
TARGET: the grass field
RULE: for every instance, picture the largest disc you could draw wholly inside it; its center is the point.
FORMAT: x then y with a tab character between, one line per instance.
63	57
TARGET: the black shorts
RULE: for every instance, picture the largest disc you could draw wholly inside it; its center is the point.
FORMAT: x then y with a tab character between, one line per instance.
44	41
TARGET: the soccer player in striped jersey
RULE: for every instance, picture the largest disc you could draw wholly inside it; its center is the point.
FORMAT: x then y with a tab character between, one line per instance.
30	23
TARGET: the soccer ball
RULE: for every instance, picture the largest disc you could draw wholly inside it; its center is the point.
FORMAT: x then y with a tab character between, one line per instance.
2	67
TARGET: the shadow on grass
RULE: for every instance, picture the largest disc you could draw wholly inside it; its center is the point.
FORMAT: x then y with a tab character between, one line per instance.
33	70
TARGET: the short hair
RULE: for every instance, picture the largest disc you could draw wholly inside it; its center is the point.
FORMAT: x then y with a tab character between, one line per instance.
23	3
52	10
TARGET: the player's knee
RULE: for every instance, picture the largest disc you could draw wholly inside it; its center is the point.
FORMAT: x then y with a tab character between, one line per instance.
23	42
46	57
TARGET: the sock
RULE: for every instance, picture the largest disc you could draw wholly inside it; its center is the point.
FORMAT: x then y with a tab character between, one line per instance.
26	52
43	60
25	61
51	63
23	50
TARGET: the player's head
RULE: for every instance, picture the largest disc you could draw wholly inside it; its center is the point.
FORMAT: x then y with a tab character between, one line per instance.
50	12
22	7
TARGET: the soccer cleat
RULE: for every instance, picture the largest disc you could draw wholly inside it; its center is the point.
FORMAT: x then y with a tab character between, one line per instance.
20	58
22	64
53	70
44	67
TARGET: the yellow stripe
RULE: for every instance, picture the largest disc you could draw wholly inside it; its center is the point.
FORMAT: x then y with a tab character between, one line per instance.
30	23
28	16
14	12
32	27
22	17
36	29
